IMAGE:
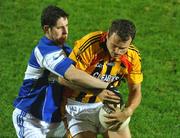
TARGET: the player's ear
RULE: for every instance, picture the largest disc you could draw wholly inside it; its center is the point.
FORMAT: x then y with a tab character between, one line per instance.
45	28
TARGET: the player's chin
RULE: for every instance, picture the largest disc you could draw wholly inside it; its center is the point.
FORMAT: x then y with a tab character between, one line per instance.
62	40
113	55
116	56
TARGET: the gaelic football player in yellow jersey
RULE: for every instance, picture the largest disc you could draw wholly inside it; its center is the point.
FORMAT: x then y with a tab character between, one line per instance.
108	56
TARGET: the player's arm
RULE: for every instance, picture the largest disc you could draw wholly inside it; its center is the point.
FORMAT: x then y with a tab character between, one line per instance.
76	87
134	100
70	85
134	84
104	94
57	63
82	78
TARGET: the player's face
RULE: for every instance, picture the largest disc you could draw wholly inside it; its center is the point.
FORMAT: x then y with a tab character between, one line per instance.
116	46
59	32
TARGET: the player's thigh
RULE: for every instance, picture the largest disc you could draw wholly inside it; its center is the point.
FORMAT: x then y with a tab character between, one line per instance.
125	133
24	128
86	134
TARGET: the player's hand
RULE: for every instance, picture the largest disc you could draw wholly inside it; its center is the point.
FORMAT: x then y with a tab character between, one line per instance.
118	115
116	91
108	97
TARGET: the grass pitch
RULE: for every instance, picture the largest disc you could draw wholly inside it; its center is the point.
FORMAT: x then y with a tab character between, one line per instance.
157	38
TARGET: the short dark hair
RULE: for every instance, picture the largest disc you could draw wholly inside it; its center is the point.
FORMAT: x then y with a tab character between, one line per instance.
123	28
51	14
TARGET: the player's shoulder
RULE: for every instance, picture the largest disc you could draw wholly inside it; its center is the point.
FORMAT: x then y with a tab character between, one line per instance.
89	38
45	49
133	53
133	50
92	35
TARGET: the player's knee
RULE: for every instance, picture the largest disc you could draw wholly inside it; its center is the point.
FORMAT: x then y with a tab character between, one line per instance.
123	133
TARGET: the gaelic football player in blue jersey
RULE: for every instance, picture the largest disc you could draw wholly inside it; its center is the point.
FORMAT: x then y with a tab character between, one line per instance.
37	112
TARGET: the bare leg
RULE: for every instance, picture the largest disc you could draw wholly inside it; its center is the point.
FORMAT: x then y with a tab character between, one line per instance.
125	133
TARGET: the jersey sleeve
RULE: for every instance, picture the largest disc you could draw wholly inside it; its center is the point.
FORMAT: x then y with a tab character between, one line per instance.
55	61
136	75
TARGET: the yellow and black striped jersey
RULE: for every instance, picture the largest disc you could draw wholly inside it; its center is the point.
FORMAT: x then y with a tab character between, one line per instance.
91	55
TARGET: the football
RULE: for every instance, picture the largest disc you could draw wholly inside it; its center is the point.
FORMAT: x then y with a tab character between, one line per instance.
115	126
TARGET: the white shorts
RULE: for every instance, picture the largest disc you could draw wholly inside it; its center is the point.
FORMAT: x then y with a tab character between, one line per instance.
27	126
83	117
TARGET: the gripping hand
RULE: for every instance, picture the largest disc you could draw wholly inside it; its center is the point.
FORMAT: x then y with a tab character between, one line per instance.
117	92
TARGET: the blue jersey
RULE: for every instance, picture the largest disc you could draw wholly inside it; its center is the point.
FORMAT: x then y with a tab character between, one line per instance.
39	96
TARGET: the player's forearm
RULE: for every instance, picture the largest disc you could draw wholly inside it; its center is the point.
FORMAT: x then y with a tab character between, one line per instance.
133	103
134	99
84	79
69	84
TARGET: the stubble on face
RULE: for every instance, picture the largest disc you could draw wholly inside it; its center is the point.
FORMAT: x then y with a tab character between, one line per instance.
59	32
62	30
